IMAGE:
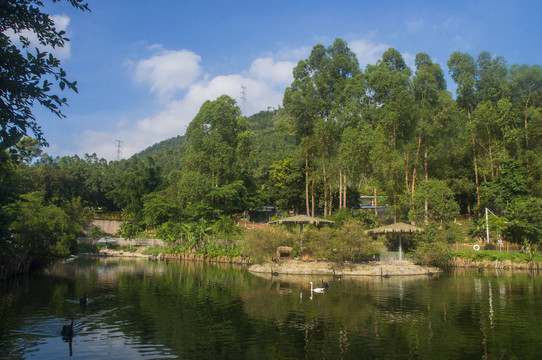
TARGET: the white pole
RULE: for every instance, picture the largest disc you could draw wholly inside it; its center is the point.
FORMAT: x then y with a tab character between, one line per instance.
487	227
400	249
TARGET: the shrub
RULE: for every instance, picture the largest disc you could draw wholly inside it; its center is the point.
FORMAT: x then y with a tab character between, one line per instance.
216	248
61	249
340	216
368	219
526	221
95	232
433	254
169	231
156	250
436	232
492	255
489	246
86	248
319	242
261	244
225	226
347	243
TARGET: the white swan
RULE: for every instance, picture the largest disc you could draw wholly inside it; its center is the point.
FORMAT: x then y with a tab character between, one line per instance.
317	290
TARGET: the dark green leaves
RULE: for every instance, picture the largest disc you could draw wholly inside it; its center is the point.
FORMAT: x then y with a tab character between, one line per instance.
27	76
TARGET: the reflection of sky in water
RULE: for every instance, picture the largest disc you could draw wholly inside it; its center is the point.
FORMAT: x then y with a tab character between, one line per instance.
148	310
40	337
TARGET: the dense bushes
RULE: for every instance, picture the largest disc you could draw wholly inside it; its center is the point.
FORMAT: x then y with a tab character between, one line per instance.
44	229
436	254
261	244
346	243
492	255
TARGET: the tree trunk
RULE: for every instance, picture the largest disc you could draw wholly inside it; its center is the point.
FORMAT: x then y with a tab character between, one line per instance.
340	187
490	151
426	203
375	203
414	172
407	185
330	200
325	180
307	178
344	191
475	164
527	122
476	173
394	209
312	197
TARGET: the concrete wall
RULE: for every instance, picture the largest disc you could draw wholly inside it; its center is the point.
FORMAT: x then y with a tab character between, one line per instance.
108	226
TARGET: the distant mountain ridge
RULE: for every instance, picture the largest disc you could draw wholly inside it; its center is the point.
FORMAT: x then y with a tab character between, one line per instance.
269	144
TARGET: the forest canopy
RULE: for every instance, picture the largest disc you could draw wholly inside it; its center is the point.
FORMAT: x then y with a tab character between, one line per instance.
388	131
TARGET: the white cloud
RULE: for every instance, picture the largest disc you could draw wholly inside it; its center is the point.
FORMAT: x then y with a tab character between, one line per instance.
62	23
410	60
291	54
367	52
264	82
169	72
176	78
269	70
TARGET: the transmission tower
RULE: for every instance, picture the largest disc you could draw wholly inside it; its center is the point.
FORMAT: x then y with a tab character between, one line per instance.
119	149
243	98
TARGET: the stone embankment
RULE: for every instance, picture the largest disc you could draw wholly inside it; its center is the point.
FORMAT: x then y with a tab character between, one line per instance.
200	257
497	264
181	256
325	268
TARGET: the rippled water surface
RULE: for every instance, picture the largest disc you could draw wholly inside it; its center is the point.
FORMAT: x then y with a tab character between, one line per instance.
153	310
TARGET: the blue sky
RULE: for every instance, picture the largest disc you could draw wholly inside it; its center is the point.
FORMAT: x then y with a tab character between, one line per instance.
145	67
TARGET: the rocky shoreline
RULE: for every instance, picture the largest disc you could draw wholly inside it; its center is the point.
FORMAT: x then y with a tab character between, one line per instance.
298	267
162	257
21	264
324	268
497	264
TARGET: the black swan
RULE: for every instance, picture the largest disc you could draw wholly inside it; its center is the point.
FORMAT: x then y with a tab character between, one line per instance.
84	300
67	330
324	284
384	275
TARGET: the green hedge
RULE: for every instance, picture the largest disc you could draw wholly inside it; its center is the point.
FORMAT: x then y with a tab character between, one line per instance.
492	255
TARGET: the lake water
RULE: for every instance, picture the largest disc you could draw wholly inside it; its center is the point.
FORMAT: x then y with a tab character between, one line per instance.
151	310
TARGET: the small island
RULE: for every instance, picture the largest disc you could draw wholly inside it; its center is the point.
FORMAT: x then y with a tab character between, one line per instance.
330	269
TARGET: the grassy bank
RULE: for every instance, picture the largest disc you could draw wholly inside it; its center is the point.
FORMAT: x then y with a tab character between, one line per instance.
492	255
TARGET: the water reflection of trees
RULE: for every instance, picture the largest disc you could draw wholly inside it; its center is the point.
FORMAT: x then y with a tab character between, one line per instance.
208	310
425	316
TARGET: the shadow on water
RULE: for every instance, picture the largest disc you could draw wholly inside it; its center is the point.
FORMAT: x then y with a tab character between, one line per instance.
148	310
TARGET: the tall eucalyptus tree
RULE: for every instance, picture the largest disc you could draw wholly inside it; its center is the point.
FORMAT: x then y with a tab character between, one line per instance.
428	83
218	151
389	84
463	71
309	101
